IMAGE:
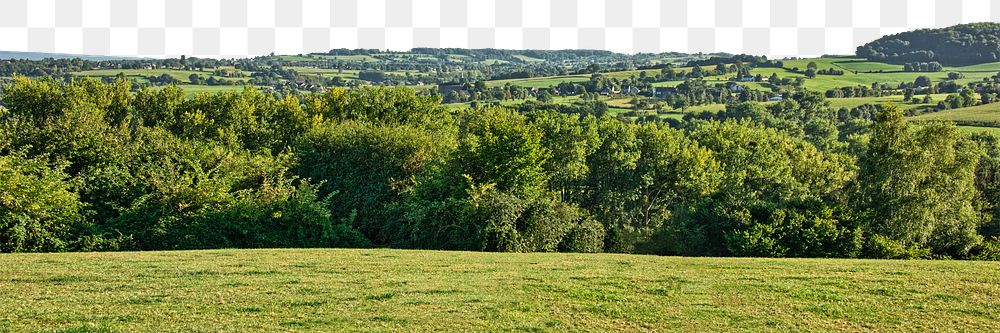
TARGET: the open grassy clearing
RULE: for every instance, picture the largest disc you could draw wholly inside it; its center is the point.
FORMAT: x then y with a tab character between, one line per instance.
326	72
179	75
539	82
980	113
191	90
380	290
992	67
854	102
527	58
980	129
323	57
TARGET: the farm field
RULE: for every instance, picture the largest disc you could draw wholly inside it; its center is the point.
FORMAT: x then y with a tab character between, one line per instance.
838	103
326	72
179	75
320	57
980	129
400	290
539	82
856	72
980	113
191	90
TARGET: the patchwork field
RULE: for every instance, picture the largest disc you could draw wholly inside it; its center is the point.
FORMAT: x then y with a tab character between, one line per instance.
856	72
396	290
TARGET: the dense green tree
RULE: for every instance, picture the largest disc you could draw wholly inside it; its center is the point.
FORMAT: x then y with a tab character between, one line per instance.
638	175
917	189
86	165
770	181
988	182
499	147
206	196
366	167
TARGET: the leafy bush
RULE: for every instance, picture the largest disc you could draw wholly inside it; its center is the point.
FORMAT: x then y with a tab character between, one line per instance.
799	230
367	167
879	246
587	236
513	224
638	176
204	196
987	250
38	213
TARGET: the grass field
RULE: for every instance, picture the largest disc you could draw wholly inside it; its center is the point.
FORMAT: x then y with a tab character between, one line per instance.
540	82
395	290
980	113
856	72
980	129
191	90
838	103
321	57
326	72
180	75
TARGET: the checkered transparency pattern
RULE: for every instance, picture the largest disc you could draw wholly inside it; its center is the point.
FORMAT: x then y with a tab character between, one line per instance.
240	28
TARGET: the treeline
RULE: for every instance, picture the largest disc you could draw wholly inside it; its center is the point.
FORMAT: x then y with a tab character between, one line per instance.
932	66
963	44
60	67
92	166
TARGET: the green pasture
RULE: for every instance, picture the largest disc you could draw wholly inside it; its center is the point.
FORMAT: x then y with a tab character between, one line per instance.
979	113
179	75
424	291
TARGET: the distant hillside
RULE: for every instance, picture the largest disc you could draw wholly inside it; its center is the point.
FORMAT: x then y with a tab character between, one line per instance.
41	55
964	44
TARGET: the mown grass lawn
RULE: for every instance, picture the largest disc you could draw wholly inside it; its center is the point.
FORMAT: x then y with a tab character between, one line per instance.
396	290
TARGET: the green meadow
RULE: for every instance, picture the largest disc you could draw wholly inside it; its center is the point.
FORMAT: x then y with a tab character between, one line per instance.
422	291
979	113
180	75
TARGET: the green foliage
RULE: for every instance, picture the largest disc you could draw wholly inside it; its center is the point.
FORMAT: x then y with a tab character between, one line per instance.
770	185
385	105
638	174
799	230
203	196
988	182
249	119
987	250
91	166
962	44
917	186
498	146
38	212
513	224
367	167
773	182
570	141
587	236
